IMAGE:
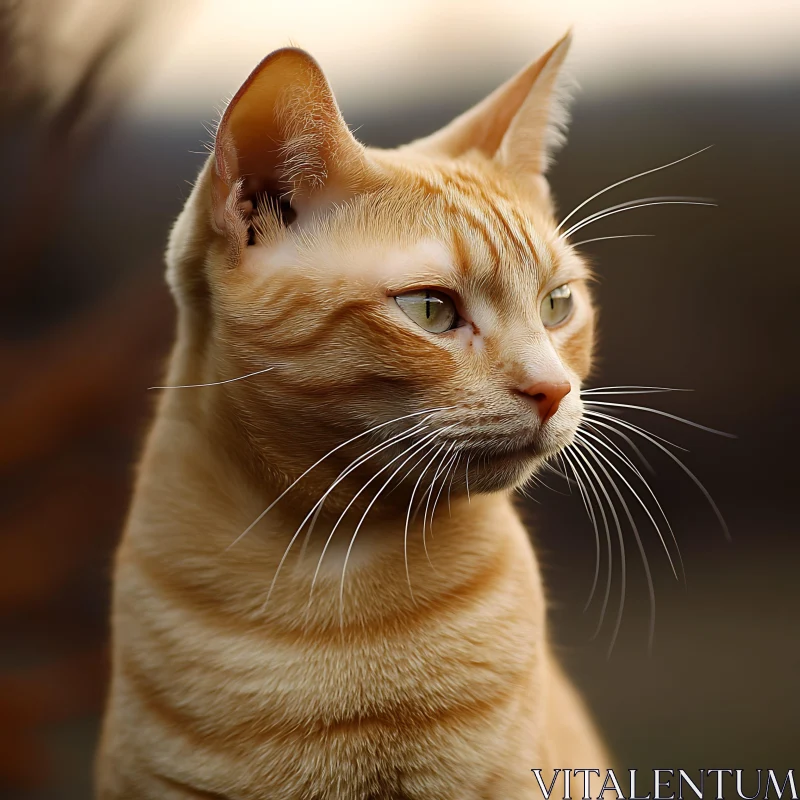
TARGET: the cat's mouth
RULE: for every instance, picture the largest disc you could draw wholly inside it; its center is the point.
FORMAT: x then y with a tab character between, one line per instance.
500	463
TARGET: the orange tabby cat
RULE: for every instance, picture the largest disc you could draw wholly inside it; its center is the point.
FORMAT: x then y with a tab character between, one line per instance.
381	331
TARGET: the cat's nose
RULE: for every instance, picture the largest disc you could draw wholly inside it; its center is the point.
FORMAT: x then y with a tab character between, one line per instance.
548	396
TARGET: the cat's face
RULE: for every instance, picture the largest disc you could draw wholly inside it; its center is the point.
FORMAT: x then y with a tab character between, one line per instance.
427	285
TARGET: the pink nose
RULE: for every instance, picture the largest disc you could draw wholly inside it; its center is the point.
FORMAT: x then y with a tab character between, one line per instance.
547	396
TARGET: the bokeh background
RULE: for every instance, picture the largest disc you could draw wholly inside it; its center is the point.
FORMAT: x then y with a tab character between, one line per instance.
106	108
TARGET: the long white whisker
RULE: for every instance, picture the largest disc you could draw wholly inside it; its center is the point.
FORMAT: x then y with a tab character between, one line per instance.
621	236
695	479
445	473
590	511
620	391
358	528
319	461
612	447
357	462
555	471
585	433
408	517
317	507
466	478
439	468
645	563
625	438
450	488
592	424
632	205
627	180
416	509
661	414
213	383
424	455
623	556
581	488
419	444
600	505
527	495
600	415
653	389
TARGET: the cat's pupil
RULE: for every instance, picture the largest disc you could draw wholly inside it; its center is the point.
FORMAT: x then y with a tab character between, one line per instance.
427	305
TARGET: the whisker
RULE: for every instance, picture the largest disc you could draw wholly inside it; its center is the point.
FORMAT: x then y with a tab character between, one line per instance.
440	467
621	236
213	383
600	505
652	439
416	509
319	461
604	390
590	511
317	507
612	447
633	491
645	563
601	389
450	488
358	528
625	438
620	539
420	444
548	466
627	180
445	472
357	462
632	205
661	414
618	451
466	478
527	495
600	415
408	516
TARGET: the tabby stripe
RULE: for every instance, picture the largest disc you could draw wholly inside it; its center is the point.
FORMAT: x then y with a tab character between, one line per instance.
199	600
273	728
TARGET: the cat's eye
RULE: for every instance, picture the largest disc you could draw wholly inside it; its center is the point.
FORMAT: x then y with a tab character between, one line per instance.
556	307
433	311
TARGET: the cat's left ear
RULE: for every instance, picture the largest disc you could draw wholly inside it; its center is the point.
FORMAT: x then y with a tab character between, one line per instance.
282	137
519	125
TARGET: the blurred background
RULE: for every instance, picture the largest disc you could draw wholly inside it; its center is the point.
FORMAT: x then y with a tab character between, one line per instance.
106	108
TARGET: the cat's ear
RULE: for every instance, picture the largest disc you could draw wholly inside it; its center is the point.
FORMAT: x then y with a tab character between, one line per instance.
282	138
519	125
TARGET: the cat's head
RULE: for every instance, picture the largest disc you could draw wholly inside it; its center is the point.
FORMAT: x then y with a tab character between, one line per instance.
427	284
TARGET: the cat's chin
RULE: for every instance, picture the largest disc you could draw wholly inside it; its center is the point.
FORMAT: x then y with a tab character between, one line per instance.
510	469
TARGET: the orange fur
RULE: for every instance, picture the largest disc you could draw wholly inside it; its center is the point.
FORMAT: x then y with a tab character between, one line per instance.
423	680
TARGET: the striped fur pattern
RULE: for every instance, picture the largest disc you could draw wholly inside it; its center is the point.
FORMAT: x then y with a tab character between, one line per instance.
411	661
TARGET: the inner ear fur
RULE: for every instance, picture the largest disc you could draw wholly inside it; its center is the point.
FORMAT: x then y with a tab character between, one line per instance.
283	138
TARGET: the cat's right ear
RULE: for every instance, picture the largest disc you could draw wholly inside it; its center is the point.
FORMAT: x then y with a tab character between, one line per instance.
282	140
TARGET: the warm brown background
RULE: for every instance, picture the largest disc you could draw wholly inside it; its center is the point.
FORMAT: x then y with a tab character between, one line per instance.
711	303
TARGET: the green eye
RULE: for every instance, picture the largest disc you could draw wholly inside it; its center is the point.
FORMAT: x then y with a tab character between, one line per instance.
556	307
433	311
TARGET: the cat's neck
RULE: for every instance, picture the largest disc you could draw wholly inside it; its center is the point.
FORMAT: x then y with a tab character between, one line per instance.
192	505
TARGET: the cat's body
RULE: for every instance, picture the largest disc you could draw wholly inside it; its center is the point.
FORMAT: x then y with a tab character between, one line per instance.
406	663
